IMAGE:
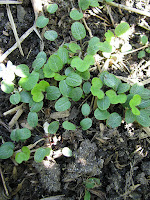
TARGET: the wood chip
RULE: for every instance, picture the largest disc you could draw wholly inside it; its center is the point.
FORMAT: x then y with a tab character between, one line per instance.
57	115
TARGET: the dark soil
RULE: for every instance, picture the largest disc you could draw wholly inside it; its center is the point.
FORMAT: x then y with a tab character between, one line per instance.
120	157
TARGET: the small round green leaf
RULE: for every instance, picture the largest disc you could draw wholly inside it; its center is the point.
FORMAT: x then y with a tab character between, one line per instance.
76	15
144	39
101	114
68	126
51	35
141	54
74	47
76	94
111	81
67	152
145	103
143	118
63	55
87	87
123	87
51	8
25	96
55	63
22	70
86	123
135	110
29	82
94	46
97	92
35	106
73	80
64	88
97	83
41	21
68	70
105	47
41	153
53	127
84	4
147	50
48	73
15	98
122	28
24	155
32	119
53	93
38	63
6	150
109	35
59	77
43	55
114	120
20	134
139	89
62	104
136	100
7	87
85	109
129	116
85	75
78	31
103	104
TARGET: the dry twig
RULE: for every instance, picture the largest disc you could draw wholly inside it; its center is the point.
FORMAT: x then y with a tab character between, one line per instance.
14	29
10	2
23	37
141	12
4	184
37	6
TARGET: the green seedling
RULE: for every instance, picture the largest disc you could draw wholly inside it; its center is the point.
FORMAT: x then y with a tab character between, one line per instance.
41	21
32	119
76	15
75	48
84	4
90	183
53	127
86	87
38	90
24	155
135	101
6	150
68	126
144	41
78	31
41	153
20	134
86	123
52	8
51	35
62	104
96	88
85	109
15	98
82	65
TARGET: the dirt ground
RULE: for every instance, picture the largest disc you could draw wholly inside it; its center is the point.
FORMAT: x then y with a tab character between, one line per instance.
119	157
